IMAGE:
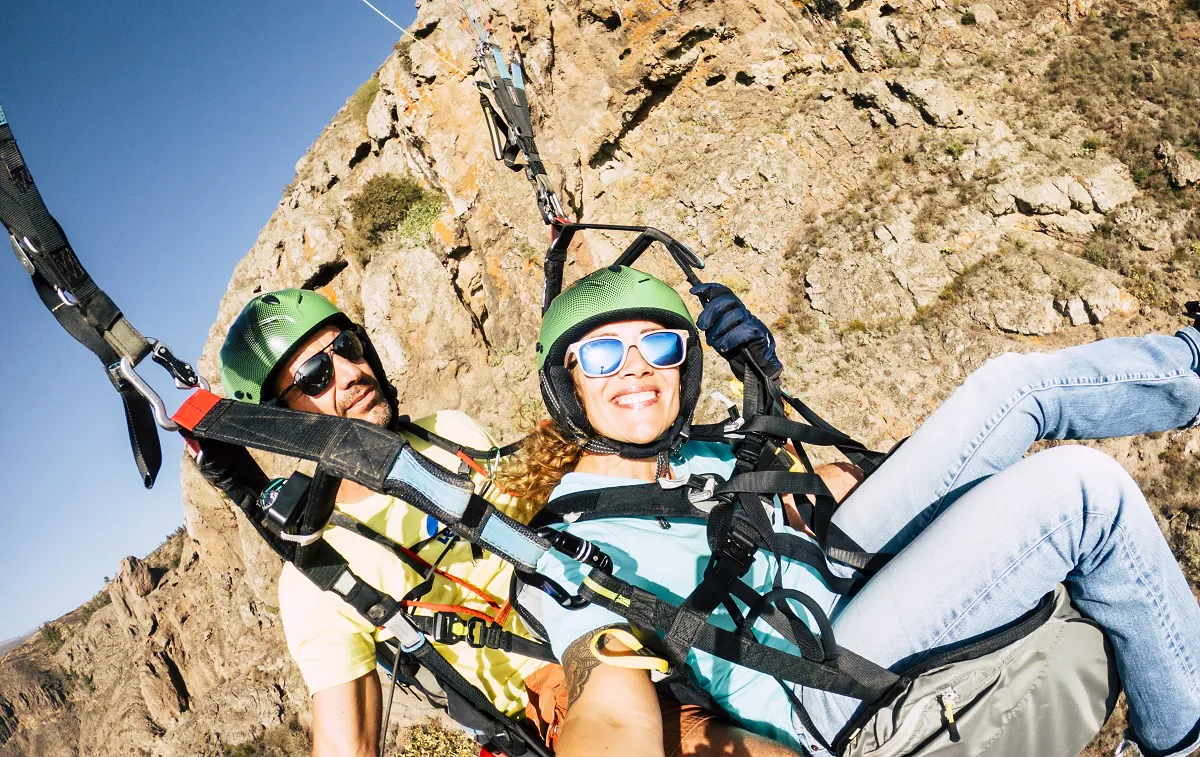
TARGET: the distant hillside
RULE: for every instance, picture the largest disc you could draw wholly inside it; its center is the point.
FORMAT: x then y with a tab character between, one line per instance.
9	644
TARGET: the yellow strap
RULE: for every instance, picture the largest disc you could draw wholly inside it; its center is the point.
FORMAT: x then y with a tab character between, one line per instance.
611	596
638	657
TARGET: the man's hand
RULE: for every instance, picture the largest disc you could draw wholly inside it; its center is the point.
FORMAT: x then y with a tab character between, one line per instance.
729	327
839	478
229	468
346	718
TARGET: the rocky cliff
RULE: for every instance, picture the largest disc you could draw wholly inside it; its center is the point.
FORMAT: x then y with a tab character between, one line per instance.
902	188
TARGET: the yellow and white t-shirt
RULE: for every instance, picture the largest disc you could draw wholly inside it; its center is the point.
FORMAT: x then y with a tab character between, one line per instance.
333	644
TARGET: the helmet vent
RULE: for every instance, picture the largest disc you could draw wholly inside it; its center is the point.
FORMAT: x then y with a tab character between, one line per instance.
270	299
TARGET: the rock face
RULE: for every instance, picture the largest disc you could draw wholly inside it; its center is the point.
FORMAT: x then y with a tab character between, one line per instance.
1182	168
899	194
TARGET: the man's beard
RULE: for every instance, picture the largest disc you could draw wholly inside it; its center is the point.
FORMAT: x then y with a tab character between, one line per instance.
376	410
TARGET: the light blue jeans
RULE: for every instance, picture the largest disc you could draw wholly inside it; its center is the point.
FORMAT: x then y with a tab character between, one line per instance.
982	532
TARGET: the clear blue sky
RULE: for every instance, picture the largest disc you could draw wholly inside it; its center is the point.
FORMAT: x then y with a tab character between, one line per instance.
161	135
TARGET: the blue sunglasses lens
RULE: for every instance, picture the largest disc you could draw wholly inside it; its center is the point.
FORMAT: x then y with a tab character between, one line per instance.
662	349
600	357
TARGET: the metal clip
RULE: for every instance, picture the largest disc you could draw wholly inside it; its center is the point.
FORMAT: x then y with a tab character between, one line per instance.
22	256
126	371
184	374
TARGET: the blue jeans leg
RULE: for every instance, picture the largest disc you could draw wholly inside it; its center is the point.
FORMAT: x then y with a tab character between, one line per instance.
1114	387
1068	514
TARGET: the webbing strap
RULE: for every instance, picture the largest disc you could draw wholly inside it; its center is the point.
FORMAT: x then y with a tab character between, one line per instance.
445	627
848	674
66	289
374	457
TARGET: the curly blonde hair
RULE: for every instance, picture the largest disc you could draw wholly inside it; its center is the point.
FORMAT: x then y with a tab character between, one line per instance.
531	473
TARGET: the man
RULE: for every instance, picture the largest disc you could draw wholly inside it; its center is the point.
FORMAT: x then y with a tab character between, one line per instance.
295	348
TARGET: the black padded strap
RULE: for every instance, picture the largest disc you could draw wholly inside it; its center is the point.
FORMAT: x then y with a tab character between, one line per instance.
64	286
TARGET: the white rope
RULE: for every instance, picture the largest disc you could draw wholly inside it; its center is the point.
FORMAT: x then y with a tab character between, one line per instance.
415	40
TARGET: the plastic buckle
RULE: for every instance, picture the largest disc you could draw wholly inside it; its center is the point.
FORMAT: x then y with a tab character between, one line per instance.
738	548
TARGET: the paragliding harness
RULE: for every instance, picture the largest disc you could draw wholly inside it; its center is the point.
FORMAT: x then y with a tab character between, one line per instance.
292	515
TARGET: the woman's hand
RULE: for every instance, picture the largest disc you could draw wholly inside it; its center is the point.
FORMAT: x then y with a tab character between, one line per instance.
729	327
610	710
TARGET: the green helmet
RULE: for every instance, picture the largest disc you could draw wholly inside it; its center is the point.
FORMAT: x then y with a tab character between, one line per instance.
265	333
615	293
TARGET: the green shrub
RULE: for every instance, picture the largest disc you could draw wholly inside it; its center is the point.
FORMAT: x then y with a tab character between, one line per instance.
386	203
956	149
361	101
1090	145
968	19
51	636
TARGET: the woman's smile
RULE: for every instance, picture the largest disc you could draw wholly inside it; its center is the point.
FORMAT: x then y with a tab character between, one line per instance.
635	397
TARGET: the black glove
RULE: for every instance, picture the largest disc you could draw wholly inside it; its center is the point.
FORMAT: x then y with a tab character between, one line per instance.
729	328
230	469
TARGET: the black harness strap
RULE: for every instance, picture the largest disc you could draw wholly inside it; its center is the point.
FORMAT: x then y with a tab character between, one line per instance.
68	292
846	673
448	628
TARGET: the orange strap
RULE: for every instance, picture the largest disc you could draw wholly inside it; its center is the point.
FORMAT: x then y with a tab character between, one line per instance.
472	464
452	578
459	609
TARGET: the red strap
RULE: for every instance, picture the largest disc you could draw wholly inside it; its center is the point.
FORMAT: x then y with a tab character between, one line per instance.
459	609
194	408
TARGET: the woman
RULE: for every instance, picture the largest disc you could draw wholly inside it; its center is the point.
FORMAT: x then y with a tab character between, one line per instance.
981	531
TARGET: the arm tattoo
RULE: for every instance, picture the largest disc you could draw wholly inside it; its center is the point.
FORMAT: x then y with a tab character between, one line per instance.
579	662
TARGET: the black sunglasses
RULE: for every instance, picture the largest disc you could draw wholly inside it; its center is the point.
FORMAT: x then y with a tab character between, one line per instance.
313	375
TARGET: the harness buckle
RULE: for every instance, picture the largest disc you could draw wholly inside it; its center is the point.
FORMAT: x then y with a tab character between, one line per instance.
444	631
737	547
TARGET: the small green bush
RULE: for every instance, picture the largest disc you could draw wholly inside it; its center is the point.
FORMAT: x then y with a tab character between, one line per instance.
968	19
956	149
1090	145
390	203
383	204
361	101
51	636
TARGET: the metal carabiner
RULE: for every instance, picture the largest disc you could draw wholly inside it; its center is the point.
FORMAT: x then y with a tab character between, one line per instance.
184	379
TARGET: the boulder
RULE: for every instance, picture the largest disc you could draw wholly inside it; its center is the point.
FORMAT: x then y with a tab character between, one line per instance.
1042	198
938	103
1071	227
1182	168
1110	187
859	52
984	14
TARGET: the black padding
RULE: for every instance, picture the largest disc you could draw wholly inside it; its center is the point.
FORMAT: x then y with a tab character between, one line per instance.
347	448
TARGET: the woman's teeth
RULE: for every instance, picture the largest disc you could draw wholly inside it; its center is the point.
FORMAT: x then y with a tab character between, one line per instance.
635	398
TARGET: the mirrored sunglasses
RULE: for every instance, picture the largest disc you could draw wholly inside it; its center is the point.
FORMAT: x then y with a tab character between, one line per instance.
605	355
